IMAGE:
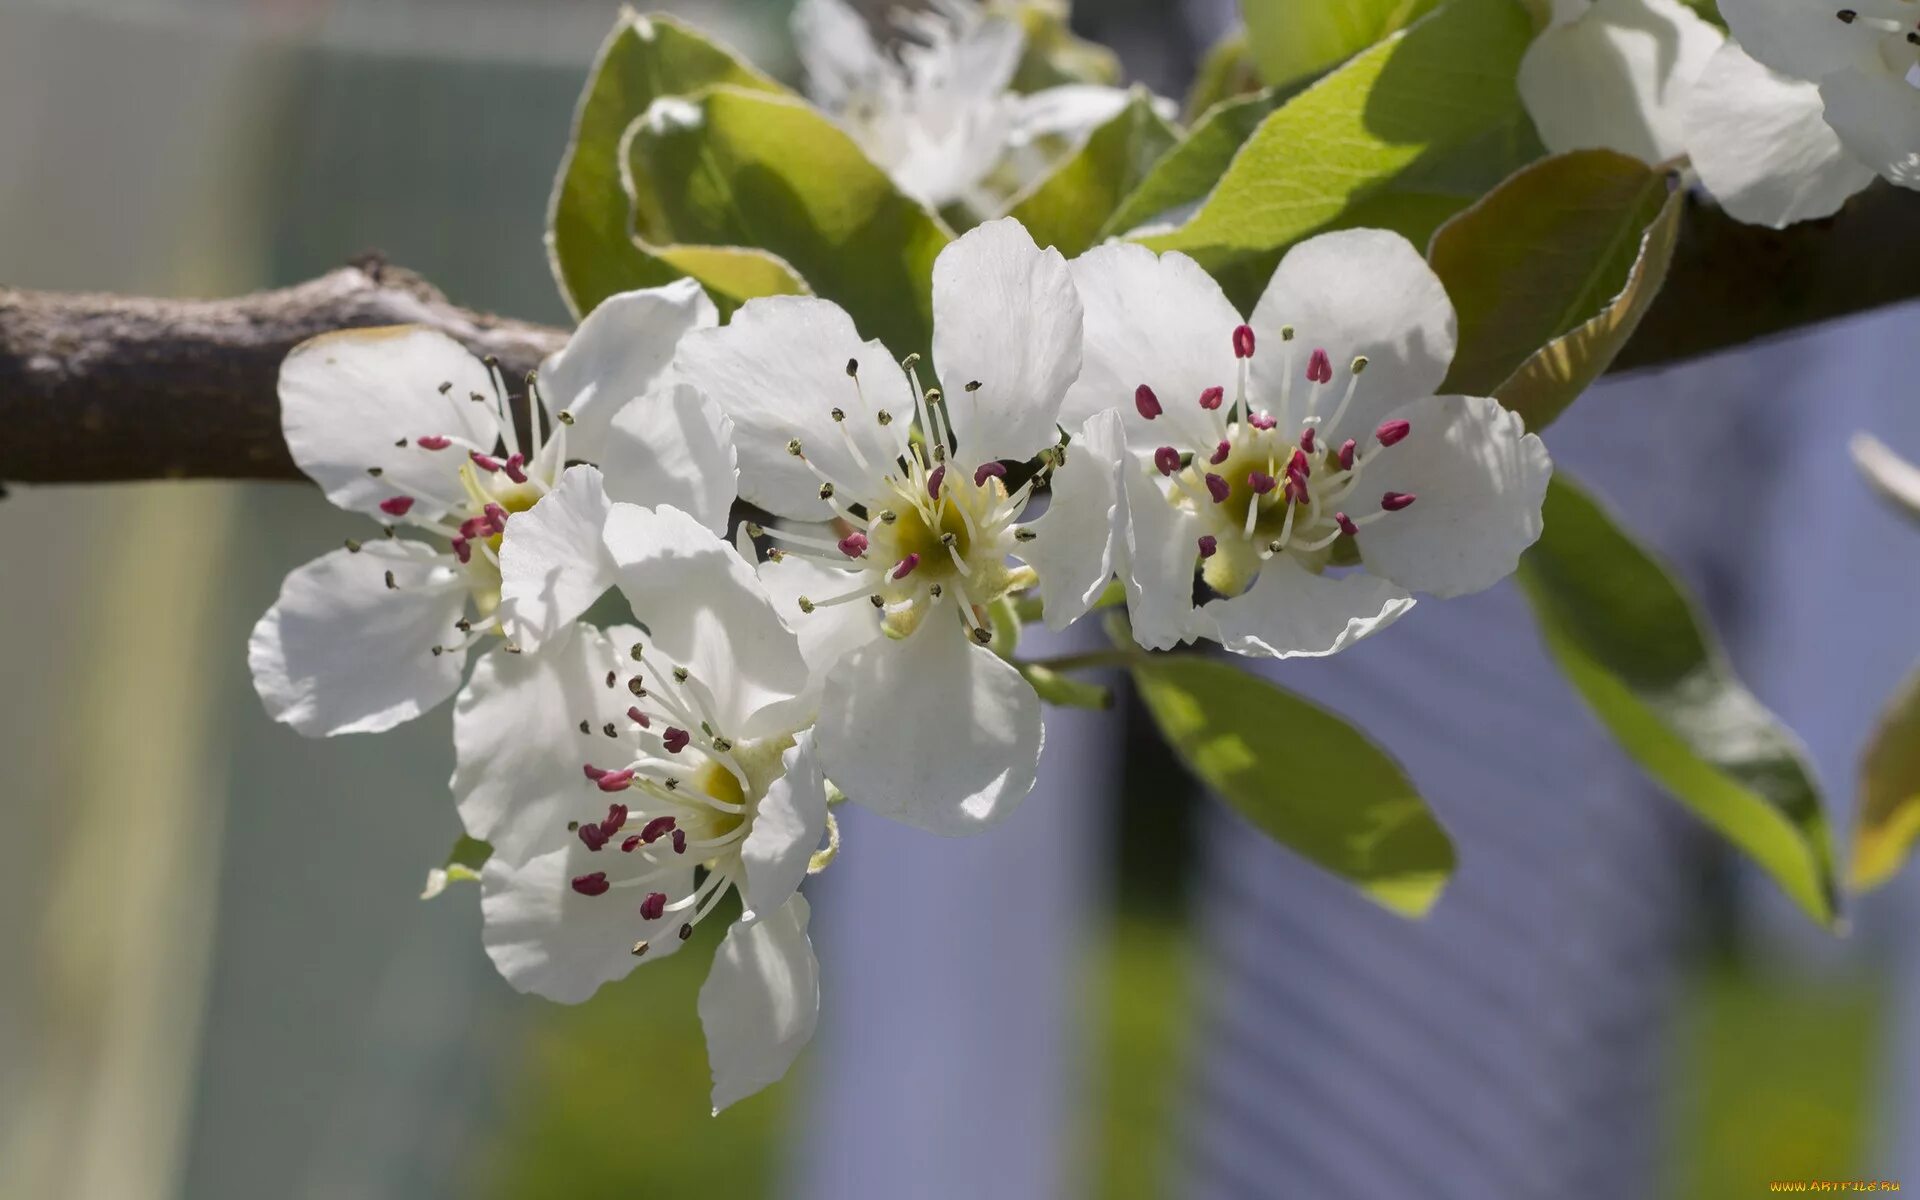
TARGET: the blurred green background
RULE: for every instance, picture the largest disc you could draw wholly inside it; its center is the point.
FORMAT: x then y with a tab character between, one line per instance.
221	983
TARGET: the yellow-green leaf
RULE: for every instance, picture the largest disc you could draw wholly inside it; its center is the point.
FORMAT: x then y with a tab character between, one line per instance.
1067	208
590	243
1634	645
1294	38
733	167
1551	272
1302	776
1889	817
1401	137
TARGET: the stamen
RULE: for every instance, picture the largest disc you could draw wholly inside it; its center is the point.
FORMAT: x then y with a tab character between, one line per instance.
592	836
486	462
433	441
1395	501
591	885
1212	398
986	471
1346	454
1208	545
514	467
854	544
1346	524
1319	367
1167	459
1306	439
934	480
1392	431
1217	488
1220	453
615	781
1242	341
1261	420
906	566
396	506
639	718
1146	402
1261	482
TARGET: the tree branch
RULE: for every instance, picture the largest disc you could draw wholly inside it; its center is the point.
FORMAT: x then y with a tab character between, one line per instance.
97	388
105	388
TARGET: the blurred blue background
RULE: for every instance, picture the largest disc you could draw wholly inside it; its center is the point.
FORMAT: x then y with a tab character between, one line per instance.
222	985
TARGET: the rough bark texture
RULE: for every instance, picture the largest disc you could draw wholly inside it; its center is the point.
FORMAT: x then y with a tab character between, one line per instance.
97	388
107	388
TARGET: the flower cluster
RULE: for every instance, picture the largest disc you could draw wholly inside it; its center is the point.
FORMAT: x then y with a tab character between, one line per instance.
1280	484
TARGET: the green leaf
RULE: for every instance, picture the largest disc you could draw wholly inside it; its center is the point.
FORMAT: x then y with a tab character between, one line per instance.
1401	137
462	866
1185	174
730	167
1294	38
1068	207
590	242
1551	272
1635	647
1303	776
1889	817
1228	72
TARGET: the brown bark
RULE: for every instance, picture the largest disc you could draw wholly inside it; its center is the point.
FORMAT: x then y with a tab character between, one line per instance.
97	388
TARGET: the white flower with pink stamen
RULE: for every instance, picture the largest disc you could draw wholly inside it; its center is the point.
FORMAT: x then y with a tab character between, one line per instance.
406	426
905	540
1298	463
629	781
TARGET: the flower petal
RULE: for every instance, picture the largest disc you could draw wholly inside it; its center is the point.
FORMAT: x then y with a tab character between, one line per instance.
1801	39
787	824
1073	110
1162	552
553	562
347	397
1151	319
825	633
1895	479
1877	116
1290	612
550	940
1354	292
617	354
674	446
1762	145
779	370
517	743
1478	478
1006	340
1078	539
1617	77
837	50
933	730
760	1002
706	610
341	652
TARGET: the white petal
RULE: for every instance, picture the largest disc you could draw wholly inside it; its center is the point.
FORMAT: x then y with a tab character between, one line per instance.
1762	144
341	652
550	940
706	610
1006	318
778	370
1894	478
1802	39
1163	550
553	561
1077	541
1877	115
1157	320
837	50
1478	479
760	1002
825	633
674	446
1617	78
1073	110
933	730
619	352
517	743
347	397
787	824
1290	612
1354	292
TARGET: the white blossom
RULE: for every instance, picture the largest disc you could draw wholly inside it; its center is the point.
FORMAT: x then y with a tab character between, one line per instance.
937	114
903	544
404	425
1300	462
1616	75
607	770
1806	105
